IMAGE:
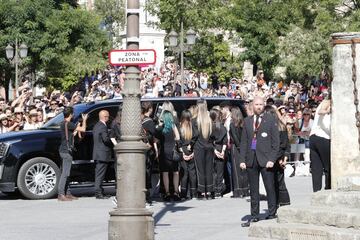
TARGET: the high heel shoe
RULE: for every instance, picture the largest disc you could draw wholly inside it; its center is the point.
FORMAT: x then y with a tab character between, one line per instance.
176	197
167	197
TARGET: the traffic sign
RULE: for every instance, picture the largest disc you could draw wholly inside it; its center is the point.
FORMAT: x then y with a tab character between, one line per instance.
132	57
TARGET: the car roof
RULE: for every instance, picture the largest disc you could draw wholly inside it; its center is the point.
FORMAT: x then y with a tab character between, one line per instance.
163	99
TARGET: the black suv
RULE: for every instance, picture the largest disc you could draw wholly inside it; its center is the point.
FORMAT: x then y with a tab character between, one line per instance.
30	162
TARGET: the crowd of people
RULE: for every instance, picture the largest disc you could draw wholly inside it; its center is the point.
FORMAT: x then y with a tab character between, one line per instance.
203	152
28	112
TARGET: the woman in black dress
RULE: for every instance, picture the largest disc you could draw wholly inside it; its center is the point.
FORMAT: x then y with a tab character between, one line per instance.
219	135
204	151
169	139
187	163
240	177
282	194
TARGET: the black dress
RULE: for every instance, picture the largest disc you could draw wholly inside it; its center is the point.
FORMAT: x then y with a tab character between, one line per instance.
188	170
204	161
168	143
282	194
219	134
239	176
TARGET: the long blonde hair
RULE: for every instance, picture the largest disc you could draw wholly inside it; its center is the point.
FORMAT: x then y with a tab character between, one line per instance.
185	125
203	120
167	106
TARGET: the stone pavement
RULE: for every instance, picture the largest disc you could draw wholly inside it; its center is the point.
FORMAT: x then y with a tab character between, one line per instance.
87	218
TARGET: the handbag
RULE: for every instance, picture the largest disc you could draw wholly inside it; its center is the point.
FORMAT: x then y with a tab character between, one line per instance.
176	155
71	149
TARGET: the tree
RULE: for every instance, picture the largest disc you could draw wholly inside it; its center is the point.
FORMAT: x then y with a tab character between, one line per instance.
196	14
53	33
113	17
260	24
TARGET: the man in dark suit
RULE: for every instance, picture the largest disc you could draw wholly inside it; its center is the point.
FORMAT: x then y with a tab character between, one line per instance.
101	152
258	150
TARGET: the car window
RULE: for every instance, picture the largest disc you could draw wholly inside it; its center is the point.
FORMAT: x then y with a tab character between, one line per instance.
93	116
55	122
59	118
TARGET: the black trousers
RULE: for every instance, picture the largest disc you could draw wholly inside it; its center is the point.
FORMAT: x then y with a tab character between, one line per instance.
149	166
282	194
189	177
228	172
204	162
268	178
320	162
219	165
63	187
100	171
239	176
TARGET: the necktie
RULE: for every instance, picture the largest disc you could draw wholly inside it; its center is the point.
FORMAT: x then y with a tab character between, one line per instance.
257	121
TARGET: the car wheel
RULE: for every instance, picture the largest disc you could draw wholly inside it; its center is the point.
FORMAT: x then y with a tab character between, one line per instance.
38	178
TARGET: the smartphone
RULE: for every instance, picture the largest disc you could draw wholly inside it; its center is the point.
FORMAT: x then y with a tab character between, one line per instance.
158	111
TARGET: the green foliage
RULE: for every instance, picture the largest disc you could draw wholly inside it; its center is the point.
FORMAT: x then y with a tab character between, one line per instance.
54	31
113	16
304	53
206	56
196	14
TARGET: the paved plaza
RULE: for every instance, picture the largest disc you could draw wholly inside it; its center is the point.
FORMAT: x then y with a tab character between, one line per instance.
87	218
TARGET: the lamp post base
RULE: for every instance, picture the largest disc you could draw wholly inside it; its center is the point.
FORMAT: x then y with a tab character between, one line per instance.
131	224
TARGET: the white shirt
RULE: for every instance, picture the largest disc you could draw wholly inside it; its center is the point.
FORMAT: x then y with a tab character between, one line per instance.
321	125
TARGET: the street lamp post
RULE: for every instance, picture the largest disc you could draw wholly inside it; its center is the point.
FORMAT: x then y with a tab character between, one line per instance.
131	220
15	58
190	40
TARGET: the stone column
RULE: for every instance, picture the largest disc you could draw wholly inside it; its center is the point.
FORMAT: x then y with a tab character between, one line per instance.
345	157
131	220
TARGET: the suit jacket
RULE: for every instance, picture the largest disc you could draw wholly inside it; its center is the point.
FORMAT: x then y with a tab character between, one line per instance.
268	141
102	144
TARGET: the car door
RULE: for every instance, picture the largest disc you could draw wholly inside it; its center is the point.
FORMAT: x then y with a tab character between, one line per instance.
83	169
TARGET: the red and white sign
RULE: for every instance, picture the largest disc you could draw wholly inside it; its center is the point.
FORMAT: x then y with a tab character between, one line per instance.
132	57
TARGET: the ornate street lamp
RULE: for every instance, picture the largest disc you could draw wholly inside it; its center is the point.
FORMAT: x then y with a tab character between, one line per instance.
190	37
15	58
131	220
190	40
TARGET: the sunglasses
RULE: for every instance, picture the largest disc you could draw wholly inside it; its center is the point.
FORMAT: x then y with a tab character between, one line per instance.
306	114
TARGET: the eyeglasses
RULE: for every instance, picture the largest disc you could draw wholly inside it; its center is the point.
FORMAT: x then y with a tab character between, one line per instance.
306	114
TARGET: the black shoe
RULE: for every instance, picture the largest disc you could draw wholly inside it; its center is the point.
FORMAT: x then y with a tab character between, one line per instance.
269	217
200	196
252	220
218	195
167	197
176	197
101	196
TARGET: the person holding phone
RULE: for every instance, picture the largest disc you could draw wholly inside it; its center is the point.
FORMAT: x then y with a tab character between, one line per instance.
68	130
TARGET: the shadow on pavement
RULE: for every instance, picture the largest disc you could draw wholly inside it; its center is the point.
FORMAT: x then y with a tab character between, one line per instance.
262	216
169	208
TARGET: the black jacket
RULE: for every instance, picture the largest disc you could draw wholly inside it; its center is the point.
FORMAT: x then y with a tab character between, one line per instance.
284	149
219	136
268	142
102	144
235	135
